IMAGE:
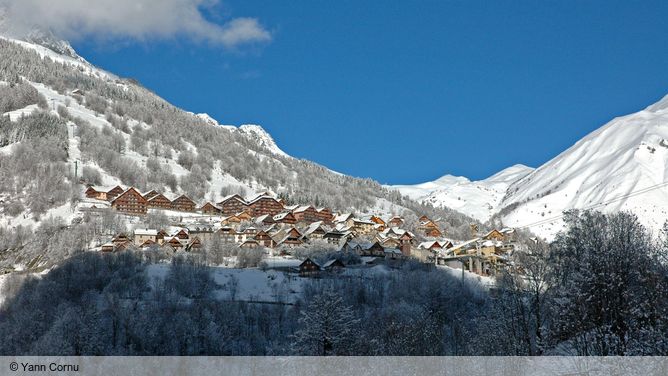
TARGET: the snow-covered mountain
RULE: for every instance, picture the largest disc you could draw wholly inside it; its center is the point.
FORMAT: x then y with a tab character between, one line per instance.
621	166
478	199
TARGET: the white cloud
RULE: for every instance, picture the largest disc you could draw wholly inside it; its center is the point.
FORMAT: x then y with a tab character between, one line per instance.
136	19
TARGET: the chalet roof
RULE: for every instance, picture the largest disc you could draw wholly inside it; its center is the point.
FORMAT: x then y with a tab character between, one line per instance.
230	197
265	218
249	241
329	263
103	188
281	216
363	221
429	245
184	197
146	232
291	207
313	227
301	209
323	208
308	259
261	197
131	189
343	217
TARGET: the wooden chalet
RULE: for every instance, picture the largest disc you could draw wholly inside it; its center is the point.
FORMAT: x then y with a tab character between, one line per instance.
395	221
315	231
325	215
227	234
210	209
306	214
232	204
103	193
265	220
285	217
362	227
264	239
494	235
194	244
183	203
148	195
142	235
232	220
130	202
309	268
334	265
290	238
244	216
159	201
379	221
181	234
174	242
249	244
160	236
121	241
265	205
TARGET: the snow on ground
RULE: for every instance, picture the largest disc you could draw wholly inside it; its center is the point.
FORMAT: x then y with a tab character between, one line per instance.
16	114
252	284
483	281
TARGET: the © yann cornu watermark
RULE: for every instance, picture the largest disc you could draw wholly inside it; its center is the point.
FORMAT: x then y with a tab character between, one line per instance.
42	367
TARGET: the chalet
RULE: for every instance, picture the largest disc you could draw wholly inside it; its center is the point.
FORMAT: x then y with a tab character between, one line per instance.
210	209
227	234
265	220
378	221
436	245
325	215
494	235
115	192
232	204
362	227
334	265
183	203
249	244
265	205
285	217
160	237
336	237
389	242
142	235
121	241
98	192
309	268
130	202
429	228
180	233
265	240
315	231
244	216
174	242
194	244
233	221
395	221
152	193
306	214
343	218
424	218
290	238
364	248
159	201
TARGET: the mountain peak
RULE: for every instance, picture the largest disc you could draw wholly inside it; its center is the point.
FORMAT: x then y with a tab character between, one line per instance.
263	138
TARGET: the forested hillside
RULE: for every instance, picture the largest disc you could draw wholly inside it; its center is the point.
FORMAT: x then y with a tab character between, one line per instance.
128	135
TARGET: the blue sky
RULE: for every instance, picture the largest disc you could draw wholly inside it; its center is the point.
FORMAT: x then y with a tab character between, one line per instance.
404	92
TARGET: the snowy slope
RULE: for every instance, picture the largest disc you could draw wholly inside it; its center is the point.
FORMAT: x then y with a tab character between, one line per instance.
621	166
478	199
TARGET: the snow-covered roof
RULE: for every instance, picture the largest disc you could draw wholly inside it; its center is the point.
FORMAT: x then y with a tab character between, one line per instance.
146	232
